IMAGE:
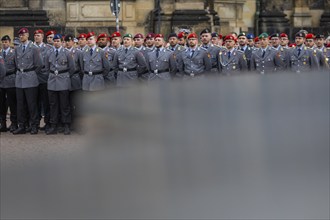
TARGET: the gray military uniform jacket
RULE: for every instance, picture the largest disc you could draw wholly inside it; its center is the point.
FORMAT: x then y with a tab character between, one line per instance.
196	65
214	53
248	54
45	49
270	63
305	62
10	65
28	64
161	67
76	77
129	66
96	68
60	68
110	54
236	64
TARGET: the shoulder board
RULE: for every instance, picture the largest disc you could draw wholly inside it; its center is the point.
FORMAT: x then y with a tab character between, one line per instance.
239	51
203	48
86	50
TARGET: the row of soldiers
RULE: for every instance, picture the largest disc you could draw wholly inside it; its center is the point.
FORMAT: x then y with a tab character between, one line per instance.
36	77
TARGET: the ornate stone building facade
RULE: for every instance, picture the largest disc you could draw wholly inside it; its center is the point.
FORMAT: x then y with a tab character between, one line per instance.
166	15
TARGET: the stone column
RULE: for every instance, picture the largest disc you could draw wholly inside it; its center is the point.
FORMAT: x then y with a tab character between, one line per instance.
301	14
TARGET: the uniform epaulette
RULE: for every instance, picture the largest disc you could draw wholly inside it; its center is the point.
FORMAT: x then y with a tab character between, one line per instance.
239	51
203	48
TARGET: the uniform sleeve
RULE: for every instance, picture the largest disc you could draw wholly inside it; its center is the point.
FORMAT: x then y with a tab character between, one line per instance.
37	60
314	62
71	65
180	65
253	63
115	64
81	63
280	65
207	62
142	64
47	65
172	65
106	64
243	63
2	69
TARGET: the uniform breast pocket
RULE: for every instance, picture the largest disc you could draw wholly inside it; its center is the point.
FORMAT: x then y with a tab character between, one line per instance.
165	60
63	62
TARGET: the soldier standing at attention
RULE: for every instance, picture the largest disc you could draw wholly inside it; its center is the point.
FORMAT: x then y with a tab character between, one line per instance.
205	36
283	53
195	61
232	60
266	59
302	59
129	63
7	86
60	65
242	42
29	64
138	41
95	66
43	102
161	61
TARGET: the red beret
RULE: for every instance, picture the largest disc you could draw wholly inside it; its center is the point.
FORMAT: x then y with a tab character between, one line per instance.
138	36
181	35
230	37
159	35
39	31
90	34
220	36
115	34
150	35
192	35
328	45
23	31
283	35
292	45
102	35
310	36
82	35
256	39
50	33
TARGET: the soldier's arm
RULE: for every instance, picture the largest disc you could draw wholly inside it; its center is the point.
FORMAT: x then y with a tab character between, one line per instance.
243	63
148	62
278	61
172	65
219	62
142	64
71	65
2	69
47	65
253	63
106	64
207	62
313	61
37	60
81	63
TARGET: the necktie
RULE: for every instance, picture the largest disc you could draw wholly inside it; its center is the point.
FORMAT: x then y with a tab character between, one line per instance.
242	49
56	53
23	49
91	51
229	54
263	53
126	50
299	50
157	52
192	53
4	54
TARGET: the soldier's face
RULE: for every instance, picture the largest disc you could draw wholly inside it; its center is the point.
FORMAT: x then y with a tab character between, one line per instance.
319	42
69	44
257	44
82	42
309	42
205	38
264	42
23	37
192	42
284	41
215	40
116	41
128	41
230	44
150	42
250	42
299	41
5	44
102	42
242	40
91	41
57	43
50	39
38	38
181	41
159	42
173	41
138	42
275	41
